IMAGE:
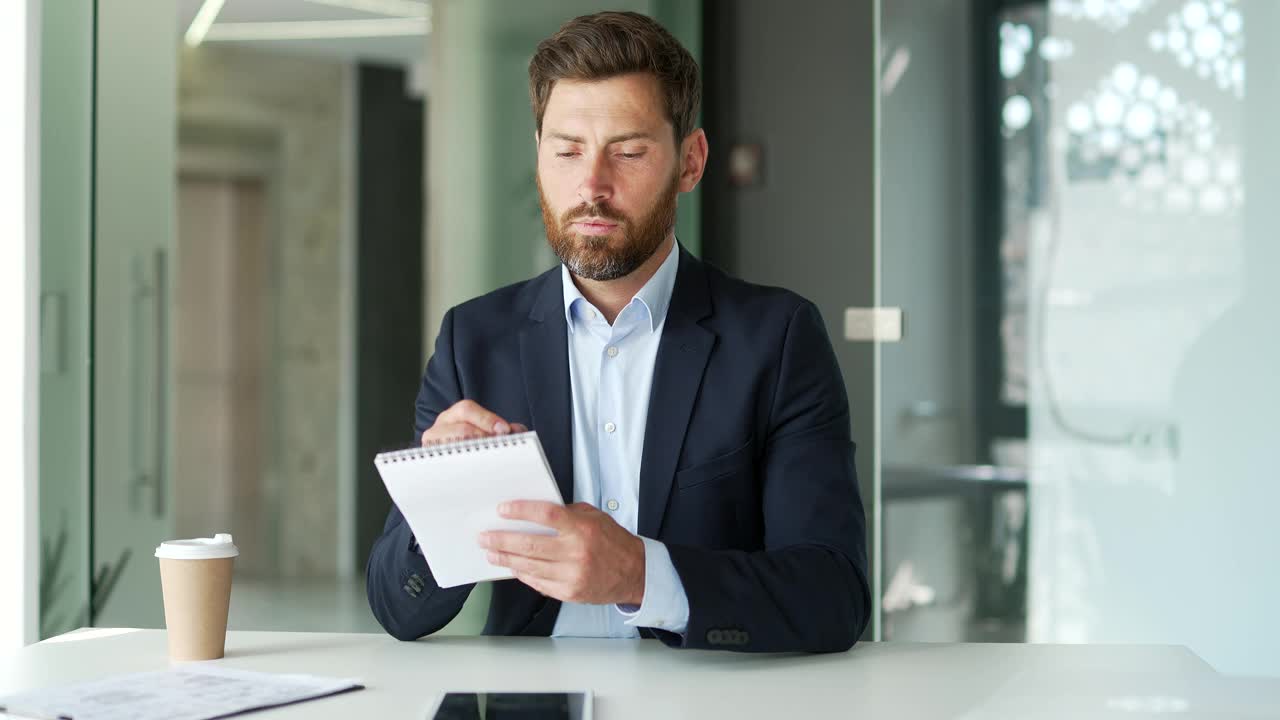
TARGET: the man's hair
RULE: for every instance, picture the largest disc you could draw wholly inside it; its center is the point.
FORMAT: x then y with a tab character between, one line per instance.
608	44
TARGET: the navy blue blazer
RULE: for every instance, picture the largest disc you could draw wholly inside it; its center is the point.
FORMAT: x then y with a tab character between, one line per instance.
746	475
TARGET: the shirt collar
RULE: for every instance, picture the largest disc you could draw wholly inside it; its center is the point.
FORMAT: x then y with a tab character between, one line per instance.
655	296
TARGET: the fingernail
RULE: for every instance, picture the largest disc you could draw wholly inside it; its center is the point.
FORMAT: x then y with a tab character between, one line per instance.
492	557
501	428
483	539
504	508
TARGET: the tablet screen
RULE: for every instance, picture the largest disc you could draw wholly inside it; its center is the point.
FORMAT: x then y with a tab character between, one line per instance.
514	706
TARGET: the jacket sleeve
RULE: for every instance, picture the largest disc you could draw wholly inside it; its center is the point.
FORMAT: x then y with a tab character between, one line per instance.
403	594
807	590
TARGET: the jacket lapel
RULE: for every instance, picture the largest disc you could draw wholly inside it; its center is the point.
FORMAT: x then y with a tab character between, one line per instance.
544	356
682	358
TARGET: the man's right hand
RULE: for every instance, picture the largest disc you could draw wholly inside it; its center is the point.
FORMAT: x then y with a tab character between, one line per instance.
467	419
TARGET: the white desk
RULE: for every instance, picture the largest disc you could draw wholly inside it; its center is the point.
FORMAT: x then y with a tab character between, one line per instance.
643	679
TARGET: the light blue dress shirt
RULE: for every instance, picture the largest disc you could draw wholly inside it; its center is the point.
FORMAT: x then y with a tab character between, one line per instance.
611	372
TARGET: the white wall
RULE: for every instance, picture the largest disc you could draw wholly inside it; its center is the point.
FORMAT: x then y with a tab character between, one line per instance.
19	273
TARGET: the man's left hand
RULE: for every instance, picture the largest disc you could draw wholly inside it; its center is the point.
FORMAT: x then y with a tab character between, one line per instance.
591	559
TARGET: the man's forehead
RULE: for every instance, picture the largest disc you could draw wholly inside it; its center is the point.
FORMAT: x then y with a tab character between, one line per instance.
630	104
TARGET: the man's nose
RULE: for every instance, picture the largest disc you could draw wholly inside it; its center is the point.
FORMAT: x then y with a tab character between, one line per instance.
597	186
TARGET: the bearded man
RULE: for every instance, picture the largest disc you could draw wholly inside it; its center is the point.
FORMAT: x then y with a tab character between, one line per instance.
698	422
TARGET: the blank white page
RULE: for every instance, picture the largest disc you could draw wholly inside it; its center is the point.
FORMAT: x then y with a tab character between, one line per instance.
450	493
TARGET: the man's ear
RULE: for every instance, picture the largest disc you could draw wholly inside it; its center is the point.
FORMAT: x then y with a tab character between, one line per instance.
693	159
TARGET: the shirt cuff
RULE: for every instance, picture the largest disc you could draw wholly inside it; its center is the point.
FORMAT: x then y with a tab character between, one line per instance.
665	605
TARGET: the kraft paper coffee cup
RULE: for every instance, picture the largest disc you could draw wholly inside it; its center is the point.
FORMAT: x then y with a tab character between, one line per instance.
195	576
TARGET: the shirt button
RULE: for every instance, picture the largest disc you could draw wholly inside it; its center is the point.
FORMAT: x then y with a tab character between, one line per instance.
591	314
613	352
610	427
612	505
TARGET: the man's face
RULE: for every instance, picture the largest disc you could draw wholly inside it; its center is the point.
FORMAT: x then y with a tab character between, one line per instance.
608	174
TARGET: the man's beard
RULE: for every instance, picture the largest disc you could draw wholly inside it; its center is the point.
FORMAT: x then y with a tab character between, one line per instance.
590	256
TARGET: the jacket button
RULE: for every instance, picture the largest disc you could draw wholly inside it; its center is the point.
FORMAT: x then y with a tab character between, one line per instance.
414	585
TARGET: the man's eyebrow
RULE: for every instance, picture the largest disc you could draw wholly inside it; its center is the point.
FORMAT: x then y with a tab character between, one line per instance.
638	135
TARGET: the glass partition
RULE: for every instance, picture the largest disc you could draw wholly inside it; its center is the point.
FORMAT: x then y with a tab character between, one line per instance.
1076	432
66	100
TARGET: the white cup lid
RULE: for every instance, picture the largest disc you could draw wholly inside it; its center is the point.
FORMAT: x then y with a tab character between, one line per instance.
218	546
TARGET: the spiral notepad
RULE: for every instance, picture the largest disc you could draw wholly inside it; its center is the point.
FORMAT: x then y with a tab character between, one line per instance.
449	494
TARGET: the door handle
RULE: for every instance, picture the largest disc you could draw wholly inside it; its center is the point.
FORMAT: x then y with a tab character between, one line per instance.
148	435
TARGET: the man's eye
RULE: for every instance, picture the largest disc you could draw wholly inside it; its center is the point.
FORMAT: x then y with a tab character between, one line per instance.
630	156
566	154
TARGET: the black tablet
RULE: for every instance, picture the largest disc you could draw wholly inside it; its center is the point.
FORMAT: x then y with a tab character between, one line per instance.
513	706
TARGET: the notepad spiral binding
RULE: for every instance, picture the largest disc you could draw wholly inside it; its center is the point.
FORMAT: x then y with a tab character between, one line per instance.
455	447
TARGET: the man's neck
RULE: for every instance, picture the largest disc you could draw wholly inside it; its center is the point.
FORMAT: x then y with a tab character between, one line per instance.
610	296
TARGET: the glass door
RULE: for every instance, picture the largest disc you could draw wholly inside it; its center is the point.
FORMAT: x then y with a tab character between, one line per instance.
223	328
132	489
1076	225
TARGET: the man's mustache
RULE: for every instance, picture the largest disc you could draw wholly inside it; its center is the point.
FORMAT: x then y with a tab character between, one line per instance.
588	213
